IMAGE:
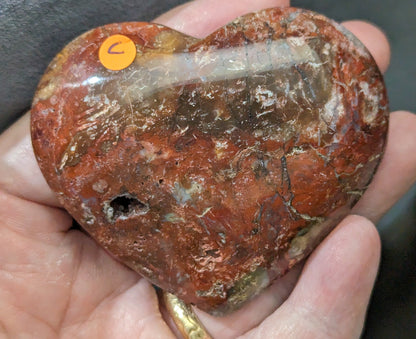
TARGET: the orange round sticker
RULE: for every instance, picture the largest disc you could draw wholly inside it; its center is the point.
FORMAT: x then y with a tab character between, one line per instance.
117	52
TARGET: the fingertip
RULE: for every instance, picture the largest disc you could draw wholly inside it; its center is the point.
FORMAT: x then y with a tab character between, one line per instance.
365	228
170	15
406	117
374	39
352	242
337	279
332	294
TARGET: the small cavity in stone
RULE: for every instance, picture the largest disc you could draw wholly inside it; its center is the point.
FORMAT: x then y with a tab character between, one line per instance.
124	206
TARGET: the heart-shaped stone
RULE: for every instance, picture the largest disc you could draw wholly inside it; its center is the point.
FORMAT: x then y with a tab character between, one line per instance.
212	166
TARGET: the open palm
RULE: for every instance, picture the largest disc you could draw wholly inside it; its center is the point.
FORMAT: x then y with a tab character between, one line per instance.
55	281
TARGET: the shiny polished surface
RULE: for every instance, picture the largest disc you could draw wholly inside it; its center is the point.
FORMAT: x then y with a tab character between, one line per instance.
213	166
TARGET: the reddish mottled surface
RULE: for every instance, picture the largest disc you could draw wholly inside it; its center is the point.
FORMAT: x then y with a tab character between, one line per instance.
212	166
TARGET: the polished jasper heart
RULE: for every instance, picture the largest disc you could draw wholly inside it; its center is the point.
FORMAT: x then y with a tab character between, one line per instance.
212	166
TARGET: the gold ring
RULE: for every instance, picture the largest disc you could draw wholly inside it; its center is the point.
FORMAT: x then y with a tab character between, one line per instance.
184	317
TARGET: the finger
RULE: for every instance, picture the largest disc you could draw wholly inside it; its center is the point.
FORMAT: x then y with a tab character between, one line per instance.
397	171
19	171
201	17
332	294
374	39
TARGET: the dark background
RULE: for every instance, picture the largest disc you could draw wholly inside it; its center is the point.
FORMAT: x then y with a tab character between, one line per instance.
33	31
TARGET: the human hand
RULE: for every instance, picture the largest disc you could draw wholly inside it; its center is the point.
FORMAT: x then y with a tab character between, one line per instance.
57	282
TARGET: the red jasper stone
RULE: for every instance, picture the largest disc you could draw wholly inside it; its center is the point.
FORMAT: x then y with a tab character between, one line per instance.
213	166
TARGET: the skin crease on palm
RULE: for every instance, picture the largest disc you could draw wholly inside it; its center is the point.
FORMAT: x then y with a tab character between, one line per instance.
57	282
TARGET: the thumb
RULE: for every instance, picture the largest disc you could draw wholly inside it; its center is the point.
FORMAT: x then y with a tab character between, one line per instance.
331	297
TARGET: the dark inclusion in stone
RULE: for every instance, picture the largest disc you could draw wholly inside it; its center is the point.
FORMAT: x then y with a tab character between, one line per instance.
213	166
